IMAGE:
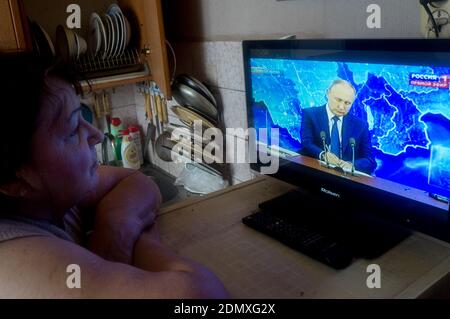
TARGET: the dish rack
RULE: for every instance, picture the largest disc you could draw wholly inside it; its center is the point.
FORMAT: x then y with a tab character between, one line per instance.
94	67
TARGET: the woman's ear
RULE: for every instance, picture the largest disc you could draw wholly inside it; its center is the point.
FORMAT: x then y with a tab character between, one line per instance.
22	187
16	189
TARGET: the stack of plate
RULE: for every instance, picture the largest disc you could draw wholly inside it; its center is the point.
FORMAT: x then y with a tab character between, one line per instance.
197	102
71	46
109	33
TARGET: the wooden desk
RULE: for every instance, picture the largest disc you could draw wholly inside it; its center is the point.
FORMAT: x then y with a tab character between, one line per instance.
252	265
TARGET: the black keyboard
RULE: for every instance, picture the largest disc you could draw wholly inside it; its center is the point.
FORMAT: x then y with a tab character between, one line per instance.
301	238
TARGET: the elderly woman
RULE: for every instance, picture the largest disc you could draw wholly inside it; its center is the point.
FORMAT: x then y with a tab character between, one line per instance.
59	208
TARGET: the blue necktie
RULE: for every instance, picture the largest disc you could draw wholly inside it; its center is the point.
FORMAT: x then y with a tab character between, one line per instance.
335	143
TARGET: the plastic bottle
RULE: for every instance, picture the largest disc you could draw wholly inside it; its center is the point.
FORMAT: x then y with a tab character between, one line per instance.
130	157
116	126
134	132
116	129
118	140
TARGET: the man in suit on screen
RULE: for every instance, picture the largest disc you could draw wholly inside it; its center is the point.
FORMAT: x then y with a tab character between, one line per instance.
340	130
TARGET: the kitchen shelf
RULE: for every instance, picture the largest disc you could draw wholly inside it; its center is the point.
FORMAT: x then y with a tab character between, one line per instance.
145	16
115	81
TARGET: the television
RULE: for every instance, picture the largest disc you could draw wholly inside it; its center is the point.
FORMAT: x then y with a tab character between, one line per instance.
385	106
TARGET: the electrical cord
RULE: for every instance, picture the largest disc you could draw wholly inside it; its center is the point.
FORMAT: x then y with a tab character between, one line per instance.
425	3
174	62
442	18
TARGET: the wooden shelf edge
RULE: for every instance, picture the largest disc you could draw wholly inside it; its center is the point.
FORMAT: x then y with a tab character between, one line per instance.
112	84
114	81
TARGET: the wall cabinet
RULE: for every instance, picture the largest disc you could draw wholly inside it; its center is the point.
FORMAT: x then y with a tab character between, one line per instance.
146	18
12	30
152	44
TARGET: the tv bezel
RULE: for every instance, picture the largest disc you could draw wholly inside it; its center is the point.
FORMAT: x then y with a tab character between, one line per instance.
407	212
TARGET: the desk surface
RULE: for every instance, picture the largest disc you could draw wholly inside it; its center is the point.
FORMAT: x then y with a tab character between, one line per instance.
252	265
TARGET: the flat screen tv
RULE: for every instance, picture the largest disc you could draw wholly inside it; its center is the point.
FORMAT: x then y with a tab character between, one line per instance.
364	122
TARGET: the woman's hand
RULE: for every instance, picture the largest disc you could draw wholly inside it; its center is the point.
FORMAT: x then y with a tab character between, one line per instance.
113	239
125	205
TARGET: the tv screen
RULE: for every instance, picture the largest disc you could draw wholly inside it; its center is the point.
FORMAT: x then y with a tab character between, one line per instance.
377	109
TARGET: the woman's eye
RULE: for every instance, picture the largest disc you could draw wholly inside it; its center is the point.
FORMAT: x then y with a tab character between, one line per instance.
75	132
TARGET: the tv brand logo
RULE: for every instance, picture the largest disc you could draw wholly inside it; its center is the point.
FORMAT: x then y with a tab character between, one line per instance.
328	192
374	279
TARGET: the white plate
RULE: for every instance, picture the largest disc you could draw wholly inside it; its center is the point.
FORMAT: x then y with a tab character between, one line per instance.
118	36
121	33
115	9
102	34
94	36
109	35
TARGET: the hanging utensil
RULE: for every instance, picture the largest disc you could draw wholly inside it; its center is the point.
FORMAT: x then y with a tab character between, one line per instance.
148	107
149	117
155	109
107	110
159	110
165	111
97	110
151	128
99	113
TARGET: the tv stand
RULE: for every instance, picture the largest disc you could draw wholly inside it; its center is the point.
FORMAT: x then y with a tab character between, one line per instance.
367	235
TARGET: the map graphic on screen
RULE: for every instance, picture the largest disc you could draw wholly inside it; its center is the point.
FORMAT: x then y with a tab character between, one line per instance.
407	109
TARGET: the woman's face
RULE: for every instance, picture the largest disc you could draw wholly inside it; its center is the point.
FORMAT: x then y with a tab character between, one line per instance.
64	161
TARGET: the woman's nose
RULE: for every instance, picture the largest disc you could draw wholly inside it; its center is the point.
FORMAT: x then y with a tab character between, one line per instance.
95	135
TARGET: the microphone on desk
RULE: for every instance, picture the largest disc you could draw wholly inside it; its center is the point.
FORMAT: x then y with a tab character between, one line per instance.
323	136
353	144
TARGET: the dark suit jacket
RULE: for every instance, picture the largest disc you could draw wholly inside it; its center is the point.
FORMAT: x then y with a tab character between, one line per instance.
315	120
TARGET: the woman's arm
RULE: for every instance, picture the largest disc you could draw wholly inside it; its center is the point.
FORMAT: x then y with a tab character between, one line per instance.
151	255
20	277
125	203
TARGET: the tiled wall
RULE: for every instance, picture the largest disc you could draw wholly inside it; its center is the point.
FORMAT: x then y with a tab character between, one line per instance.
123	105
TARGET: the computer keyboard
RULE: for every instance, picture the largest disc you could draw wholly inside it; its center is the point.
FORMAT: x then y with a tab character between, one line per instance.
301	238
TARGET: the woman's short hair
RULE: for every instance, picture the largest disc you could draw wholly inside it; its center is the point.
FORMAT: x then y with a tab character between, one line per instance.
22	85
